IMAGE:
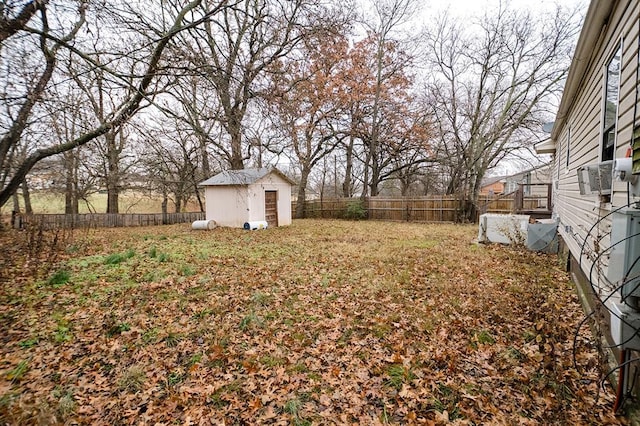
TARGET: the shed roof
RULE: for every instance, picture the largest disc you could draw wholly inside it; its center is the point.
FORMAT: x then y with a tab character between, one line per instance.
243	177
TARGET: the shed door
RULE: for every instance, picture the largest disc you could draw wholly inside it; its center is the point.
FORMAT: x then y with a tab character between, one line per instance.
271	207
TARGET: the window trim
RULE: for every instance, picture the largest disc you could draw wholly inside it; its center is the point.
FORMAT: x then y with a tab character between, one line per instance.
613	126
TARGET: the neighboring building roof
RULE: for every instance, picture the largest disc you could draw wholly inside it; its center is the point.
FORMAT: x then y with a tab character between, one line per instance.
243	177
491	180
541	168
545	147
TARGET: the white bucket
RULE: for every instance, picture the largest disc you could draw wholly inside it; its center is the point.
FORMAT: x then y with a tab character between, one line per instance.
204	224
256	224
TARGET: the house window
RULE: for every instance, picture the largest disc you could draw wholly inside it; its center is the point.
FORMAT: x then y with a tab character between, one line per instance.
611	106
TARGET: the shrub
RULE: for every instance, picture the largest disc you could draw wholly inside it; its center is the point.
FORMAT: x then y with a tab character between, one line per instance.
59	278
356	211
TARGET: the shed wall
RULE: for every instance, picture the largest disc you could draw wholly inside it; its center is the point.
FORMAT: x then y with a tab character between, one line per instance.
227	205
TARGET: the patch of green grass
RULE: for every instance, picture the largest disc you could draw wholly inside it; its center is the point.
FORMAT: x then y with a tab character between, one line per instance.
163	257
59	278
18	371
397	375
116	329
66	402
249	320
195	359
29	343
447	400
150	336
203	313
292	406
62	334
172	339
485	338
261	299
187	270
116	258
153	252
299	368
175	377
154	275
272	361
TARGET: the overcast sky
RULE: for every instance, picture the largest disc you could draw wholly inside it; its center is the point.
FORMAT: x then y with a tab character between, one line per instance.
477	7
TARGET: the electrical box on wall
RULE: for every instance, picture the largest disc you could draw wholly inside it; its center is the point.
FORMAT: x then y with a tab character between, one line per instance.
624	265
625	324
595	178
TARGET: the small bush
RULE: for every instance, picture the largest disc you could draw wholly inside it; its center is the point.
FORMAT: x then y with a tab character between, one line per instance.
355	211
59	278
115	258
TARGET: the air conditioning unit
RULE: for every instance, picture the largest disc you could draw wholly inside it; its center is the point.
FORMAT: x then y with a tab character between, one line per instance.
595	178
624	263
625	323
503	228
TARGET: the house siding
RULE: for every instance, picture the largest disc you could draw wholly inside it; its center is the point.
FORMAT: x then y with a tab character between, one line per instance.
578	214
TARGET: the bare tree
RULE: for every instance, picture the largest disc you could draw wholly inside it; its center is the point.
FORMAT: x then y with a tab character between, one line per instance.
234	51
388	16
45	43
491	86
172	161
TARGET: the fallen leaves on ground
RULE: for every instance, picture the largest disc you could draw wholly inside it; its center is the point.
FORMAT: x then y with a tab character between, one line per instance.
322	322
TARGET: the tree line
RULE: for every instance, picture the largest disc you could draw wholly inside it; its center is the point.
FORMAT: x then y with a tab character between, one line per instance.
350	99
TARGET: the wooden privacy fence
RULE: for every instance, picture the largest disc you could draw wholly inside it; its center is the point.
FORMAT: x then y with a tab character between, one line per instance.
105	220
446	208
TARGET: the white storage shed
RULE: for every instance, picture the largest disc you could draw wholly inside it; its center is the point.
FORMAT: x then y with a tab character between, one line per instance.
235	197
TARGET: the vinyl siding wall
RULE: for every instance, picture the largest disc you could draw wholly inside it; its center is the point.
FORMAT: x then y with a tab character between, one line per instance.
584	122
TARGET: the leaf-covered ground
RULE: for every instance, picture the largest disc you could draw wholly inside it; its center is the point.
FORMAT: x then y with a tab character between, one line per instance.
322	322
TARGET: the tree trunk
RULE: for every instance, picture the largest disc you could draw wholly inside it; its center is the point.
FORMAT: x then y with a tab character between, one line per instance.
71	183
16	202
113	173
206	167
26	195
375	177
165	203
302	193
235	131
346	185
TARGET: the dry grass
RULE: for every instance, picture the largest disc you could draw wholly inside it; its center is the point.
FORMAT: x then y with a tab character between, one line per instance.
323	322
129	202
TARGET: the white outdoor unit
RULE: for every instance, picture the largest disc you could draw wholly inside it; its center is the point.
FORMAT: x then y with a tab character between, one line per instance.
623	272
624	325
595	178
624	264
503	228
